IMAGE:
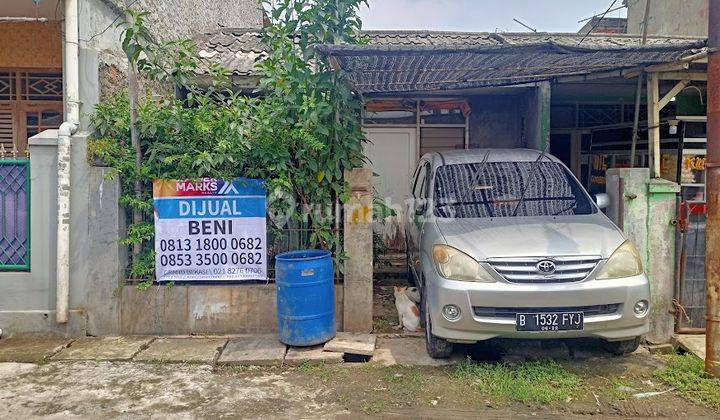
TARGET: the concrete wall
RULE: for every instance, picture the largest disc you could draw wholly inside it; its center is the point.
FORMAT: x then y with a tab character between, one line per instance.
513	119
644	209
669	17
628	208
99	303
497	121
661	258
27	300
201	309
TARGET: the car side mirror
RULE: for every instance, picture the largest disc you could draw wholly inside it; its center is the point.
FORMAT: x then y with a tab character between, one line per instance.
602	200
420	206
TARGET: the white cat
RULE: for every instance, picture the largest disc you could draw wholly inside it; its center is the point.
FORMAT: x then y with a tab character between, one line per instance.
408	312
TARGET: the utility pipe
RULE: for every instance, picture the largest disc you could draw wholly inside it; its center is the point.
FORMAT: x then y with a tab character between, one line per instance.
636	119
71	77
712	229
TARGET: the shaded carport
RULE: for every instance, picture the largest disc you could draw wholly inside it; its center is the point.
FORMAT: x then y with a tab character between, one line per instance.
508	89
381	71
578	101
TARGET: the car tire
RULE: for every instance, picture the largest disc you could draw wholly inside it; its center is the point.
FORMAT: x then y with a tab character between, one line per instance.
437	348
622	347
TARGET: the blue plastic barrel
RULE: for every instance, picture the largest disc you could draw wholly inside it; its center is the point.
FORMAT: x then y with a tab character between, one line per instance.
305	297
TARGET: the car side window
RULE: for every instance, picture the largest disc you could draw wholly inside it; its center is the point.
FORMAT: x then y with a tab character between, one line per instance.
419	181
413	181
425	171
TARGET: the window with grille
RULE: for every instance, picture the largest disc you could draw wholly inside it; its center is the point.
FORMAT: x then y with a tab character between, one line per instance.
30	102
14	215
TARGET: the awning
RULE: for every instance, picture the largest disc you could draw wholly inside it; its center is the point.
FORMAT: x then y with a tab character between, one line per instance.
376	69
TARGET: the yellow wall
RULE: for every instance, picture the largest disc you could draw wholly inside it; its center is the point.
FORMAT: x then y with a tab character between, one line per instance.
31	45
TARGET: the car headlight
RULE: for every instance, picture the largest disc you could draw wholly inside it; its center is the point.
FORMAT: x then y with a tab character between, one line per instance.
454	264
624	262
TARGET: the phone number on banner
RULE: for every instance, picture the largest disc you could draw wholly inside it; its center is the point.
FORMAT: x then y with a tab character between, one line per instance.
186	252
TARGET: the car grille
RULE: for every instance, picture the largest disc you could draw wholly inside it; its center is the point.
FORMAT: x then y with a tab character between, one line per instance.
524	270
510	313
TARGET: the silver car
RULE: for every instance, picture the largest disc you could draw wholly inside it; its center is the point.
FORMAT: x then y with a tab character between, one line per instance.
507	243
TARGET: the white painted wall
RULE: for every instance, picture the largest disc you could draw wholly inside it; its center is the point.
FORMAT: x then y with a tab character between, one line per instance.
669	17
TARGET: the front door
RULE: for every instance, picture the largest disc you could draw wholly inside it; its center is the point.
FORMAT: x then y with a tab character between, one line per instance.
392	153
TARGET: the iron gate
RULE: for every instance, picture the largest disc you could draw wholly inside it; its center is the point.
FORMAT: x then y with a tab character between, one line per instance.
14	214
691	287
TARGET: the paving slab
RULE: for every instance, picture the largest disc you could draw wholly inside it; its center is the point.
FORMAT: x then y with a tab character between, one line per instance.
104	348
12	369
253	350
352	343
383	356
408	351
183	350
694	343
314	355
30	350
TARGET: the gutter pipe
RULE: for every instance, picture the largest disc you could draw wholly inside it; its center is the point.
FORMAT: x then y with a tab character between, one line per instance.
71	76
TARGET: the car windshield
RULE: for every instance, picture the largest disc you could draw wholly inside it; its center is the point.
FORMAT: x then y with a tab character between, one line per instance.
506	189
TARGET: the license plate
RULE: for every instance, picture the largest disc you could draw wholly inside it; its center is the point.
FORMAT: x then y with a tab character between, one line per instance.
549	321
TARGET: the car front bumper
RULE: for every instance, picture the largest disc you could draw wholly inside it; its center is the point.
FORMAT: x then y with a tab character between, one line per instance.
619	325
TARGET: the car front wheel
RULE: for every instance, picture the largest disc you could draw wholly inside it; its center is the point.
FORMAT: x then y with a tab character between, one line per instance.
622	347
437	348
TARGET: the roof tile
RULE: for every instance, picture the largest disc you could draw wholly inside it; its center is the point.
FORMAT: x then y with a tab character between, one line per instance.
231	44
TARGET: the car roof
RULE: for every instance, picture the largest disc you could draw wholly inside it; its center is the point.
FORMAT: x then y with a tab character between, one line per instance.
453	157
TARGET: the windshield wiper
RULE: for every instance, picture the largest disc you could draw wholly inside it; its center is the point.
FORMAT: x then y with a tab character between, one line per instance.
476	176
461	203
475	179
531	178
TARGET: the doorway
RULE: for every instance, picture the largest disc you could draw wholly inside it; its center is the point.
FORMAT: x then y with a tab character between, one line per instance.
391	154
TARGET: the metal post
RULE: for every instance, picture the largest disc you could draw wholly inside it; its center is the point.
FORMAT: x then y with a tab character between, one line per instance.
646	19
712	255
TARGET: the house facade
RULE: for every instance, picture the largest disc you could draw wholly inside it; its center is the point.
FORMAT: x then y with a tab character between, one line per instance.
60	261
573	95
578	96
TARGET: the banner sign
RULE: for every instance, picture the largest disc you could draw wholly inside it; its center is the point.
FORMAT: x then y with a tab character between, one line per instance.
210	230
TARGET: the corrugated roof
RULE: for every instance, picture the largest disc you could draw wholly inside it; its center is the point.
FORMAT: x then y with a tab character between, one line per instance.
393	69
237	48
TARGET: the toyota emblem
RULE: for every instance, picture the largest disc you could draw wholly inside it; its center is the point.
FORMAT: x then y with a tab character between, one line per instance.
545	267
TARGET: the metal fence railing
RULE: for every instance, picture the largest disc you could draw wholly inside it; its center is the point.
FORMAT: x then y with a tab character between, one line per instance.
293	239
14	214
279	240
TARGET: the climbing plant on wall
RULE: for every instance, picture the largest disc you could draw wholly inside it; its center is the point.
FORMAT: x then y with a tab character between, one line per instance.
299	134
